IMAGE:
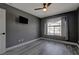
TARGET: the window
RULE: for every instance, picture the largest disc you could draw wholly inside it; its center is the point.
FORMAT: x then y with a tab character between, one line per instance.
54	28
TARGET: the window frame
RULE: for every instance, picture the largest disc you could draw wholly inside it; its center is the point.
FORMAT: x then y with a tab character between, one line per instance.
54	29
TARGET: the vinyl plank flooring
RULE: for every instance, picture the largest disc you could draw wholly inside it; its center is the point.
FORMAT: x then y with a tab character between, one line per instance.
44	47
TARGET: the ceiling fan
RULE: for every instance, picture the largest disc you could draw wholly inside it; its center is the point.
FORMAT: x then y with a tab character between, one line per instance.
45	6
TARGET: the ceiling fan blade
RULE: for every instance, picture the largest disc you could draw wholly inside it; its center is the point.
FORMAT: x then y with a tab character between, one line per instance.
44	5
38	8
49	4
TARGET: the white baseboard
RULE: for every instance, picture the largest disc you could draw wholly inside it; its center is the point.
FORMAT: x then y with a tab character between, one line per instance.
7	49
78	45
38	39
71	43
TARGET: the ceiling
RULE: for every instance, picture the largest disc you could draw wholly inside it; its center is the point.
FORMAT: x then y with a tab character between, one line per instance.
53	9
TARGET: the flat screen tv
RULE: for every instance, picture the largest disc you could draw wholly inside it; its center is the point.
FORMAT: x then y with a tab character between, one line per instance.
23	20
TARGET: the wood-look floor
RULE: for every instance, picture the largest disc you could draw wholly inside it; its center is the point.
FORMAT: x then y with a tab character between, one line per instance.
44	47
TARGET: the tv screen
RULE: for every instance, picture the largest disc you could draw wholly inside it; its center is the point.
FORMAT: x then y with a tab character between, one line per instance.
23	20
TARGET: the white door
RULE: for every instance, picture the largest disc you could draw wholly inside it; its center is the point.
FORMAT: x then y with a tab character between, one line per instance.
2	30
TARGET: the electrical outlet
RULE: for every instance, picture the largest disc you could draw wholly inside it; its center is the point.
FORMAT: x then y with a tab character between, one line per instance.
19	40
22	40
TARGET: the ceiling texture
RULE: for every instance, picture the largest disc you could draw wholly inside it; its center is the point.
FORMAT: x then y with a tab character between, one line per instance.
53	9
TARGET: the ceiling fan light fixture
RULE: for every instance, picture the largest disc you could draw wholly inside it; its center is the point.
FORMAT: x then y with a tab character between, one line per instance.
44	9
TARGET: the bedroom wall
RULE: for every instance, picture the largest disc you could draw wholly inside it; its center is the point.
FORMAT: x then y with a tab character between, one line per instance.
16	31
78	25
71	18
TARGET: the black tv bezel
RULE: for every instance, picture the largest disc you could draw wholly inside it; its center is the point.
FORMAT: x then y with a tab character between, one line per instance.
24	18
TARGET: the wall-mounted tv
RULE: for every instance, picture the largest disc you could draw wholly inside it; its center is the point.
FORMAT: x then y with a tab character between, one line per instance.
23	20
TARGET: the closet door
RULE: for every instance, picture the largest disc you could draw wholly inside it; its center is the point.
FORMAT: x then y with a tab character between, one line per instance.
2	30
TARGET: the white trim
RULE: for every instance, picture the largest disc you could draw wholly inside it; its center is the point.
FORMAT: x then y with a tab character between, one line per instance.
71	43
78	45
38	39
61	41
7	49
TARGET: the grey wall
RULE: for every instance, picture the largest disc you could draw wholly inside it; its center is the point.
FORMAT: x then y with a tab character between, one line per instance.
17	31
72	27
78	25
71	18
